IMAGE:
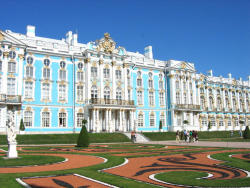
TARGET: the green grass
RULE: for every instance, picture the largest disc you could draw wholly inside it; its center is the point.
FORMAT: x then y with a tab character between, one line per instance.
66	138
24	160
234	139
160	136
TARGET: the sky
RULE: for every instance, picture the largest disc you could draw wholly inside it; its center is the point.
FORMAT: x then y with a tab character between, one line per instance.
212	34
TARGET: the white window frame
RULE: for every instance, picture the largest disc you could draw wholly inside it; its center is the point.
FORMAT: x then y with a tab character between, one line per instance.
93	71
80	77
79	118
118	74
11	67
79	92
162	99
62	75
106	73
62	92
28	90
139	98
29	71
62	119
151	98
140	120
46	121
11	86
152	120
46	73
28	119
46	91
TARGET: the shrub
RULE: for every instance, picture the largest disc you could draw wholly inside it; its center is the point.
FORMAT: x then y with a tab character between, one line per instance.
246	134
185	121
22	128
83	138
160	125
209	126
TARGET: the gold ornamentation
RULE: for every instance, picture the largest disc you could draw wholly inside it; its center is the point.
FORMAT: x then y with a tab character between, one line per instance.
94	82
106	44
113	63
5	54
45	109
1	37
87	60
80	110
94	64
234	82
100	61
21	56
183	65
62	110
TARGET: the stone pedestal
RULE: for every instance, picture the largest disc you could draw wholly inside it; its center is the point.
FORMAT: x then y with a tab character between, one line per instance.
12	152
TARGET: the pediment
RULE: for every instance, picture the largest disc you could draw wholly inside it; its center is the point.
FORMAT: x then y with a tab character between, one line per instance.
183	65
7	38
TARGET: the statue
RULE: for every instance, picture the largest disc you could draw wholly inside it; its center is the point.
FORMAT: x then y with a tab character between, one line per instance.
11	135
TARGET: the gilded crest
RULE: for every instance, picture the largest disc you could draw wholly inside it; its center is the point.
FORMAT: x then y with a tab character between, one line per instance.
1	37
183	65
106	44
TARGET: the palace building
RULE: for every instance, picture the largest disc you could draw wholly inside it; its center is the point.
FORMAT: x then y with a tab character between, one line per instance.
54	84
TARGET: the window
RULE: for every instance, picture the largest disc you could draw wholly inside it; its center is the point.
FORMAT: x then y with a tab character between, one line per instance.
80	66
29	71
139	82
204	122
106	73
62	119
184	85
226	93
210	102
210	91
46	62
140	120
150	83
28	93
236	122
27	120
185	98
62	64
93	71
178	101
160	84
229	123
129	95
94	92
80	76
79	93
162	119
202	90
202	102
152	120
191	98
233	93
12	54
46	73
30	60
151	98
221	123
11	86
62	92
106	93
227	103
62	75
1	66
118	93
118	74
45	91
45	119
219	104
190	86
11	67
177	85
79	118
139	98
234	104
161	98
218	92
212	121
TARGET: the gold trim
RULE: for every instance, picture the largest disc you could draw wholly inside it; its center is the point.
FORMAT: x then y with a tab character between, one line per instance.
1	37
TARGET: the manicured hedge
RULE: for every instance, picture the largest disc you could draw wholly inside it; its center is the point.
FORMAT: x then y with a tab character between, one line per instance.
65	138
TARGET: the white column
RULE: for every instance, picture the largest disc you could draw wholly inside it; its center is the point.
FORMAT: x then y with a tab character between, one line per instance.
106	120
120	123
101	79
88	84
124	123
110	121
130	120
97	121
93	119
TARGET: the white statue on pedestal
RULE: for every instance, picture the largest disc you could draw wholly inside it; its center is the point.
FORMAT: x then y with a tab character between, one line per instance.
11	135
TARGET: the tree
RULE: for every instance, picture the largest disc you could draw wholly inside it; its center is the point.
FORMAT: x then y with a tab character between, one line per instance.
160	125
83	138
22	128
209	126
246	133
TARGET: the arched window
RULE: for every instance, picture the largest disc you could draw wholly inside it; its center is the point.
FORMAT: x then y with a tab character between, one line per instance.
118	93
218	92
241	105
178	101
202	90
226	93
152	120
247	104
202	102
211	102
140	120
185	98
219	103
94	92
106	93
177	84
27	120
234	104
227	103
210	91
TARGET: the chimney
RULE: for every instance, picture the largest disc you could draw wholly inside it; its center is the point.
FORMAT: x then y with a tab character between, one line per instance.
69	37
148	52
31	31
210	72
229	75
74	40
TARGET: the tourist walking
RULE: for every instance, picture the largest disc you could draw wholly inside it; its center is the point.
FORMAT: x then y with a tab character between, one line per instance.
177	137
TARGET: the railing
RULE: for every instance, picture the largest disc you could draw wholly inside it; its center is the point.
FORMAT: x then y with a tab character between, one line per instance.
10	98
187	106
111	102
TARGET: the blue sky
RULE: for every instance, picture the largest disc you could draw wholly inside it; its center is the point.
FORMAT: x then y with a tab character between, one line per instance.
213	34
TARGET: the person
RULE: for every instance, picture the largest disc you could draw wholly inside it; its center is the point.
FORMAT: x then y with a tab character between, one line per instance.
190	136
134	136
240	133
177	137
185	135
182	135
